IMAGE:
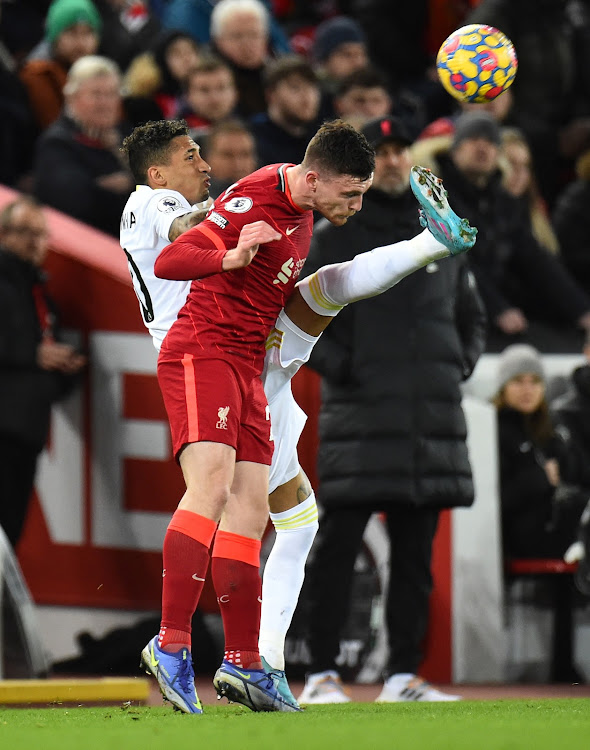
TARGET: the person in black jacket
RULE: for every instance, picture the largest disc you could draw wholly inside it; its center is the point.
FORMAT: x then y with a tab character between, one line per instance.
35	369
540	467
519	281
78	168
392	431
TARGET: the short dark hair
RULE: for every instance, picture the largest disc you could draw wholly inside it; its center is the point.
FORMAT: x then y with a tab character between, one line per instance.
284	67
149	144
339	149
209	64
230	126
364	78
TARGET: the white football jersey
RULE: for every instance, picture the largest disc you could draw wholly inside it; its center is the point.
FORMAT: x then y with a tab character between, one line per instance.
145	224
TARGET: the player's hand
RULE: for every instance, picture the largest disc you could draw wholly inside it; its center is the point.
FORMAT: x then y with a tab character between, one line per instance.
251	237
512	321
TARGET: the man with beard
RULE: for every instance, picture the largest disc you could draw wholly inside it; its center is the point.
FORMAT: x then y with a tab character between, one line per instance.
293	95
392	431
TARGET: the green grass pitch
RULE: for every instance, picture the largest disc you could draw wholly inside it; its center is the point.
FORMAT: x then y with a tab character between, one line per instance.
547	724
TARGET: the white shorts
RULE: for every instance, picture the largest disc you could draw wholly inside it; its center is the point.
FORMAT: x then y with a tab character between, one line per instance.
287	420
287	349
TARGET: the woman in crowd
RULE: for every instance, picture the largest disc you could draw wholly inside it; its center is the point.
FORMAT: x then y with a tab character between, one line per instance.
540	500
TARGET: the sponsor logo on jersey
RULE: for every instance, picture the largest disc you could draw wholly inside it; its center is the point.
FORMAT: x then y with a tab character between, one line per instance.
290	269
222	413
218	219
239	205
168	204
289	230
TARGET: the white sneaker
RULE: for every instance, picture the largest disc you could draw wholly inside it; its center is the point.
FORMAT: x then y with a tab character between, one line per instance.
401	688
324	687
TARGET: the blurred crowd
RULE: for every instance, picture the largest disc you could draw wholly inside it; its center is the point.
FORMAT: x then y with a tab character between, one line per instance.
254	78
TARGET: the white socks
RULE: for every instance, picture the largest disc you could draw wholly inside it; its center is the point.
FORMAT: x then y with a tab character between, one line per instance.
283	576
368	274
287	348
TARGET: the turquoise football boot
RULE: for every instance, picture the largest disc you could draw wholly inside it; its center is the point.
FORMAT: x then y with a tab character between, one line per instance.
436	214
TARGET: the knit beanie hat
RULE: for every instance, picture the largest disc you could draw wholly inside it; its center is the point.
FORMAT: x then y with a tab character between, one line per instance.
65	13
333	32
518	359
476	125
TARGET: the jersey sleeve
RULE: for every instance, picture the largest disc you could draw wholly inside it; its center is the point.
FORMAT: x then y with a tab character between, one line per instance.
164	208
199	252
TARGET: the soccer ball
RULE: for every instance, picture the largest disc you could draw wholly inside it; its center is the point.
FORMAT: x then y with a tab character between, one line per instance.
476	63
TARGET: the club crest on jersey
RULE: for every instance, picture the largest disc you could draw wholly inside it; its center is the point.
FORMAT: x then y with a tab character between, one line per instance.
222	413
168	204
239	205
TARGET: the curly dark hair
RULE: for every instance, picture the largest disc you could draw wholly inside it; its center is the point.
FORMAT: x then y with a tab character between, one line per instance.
149	144
337	148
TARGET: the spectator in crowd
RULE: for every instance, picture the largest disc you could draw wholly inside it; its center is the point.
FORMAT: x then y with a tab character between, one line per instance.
129	28
72	30
571	220
550	100
541	496
77	168
362	96
18	125
339	48
160	75
519	180
35	368
392	431
211	96
195	17
499	108
230	151
571	414
240	35
293	97
517	278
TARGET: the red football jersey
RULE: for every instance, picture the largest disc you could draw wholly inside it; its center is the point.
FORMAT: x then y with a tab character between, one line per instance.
232	313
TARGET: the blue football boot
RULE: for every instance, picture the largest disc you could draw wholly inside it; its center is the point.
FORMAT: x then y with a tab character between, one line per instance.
437	216
175	675
253	688
279	678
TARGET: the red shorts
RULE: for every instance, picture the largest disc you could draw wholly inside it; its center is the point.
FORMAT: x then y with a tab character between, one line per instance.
212	400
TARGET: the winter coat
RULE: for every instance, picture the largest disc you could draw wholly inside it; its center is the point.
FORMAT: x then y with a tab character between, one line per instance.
26	391
511	268
571	220
571	414
392	430
67	165
538	519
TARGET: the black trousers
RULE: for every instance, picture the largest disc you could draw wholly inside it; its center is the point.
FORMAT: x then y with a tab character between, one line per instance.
18	464
411	533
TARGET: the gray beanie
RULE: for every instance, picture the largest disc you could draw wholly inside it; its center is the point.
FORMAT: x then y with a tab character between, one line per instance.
518	359
476	125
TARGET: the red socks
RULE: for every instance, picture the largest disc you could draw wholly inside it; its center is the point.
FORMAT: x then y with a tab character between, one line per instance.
185	560
235	568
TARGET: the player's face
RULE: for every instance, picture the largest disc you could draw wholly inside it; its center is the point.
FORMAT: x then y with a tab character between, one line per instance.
187	172
339	198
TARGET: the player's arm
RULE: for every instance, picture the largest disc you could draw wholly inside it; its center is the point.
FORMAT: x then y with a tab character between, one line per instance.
187	221
201	252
